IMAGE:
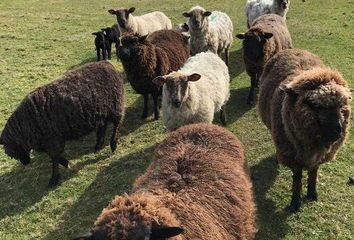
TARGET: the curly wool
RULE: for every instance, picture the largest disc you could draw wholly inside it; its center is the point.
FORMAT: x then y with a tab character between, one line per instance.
199	180
205	96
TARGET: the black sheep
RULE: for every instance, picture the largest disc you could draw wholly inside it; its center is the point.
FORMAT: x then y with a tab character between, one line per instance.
102	44
113	35
82	101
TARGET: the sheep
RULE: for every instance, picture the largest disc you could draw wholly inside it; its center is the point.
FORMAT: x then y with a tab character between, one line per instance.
257	8
209	31
306	107
147	57
195	92
183	28
198	182
102	44
113	36
267	36
72	106
141	25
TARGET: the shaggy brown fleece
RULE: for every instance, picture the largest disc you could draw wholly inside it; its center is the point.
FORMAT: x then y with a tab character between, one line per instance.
199	180
81	101
144	59
297	94
258	48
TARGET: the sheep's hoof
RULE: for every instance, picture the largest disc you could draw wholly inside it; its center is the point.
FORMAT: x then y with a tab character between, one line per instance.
144	116
113	146
294	206
351	181
64	162
250	102
54	181
98	147
311	196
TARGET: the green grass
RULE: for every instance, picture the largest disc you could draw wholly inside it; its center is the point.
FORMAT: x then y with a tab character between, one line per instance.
41	40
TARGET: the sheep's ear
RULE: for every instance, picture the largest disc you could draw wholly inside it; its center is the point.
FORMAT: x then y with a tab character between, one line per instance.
143	38
351	90
240	36
288	90
186	14
267	35
185	26
194	77
159	80
207	13
95	33
112	11
86	236
131	10
165	232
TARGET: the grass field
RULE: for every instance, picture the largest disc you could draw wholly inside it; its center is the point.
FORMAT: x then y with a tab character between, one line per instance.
41	40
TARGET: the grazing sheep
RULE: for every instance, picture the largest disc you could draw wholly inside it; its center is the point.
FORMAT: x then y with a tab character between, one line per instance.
141	25
83	100
145	58
102	44
267	36
113	36
199	181
257	8
194	93
210	31
306	107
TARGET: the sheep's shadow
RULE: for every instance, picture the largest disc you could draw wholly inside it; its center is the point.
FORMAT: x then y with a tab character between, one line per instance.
115	179
26	185
87	60
236	107
237	65
271	221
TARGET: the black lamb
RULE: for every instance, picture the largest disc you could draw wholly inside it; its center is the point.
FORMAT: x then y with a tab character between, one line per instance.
113	35
102	44
82	101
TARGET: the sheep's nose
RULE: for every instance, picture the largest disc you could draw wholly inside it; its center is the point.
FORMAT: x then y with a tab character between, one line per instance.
176	103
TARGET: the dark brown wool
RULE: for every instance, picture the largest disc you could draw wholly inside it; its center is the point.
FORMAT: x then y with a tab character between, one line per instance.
199	180
82	101
267	36
306	107
143	59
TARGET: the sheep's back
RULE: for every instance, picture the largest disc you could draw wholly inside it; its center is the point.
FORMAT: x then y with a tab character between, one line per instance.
151	22
221	23
78	102
203	168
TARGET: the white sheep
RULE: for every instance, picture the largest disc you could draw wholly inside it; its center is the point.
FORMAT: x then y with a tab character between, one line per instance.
210	31
141	25
257	8
195	92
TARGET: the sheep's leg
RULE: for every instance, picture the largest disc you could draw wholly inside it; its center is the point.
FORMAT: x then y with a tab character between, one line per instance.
145	110
155	97
223	115
250	98
227	56
117	46
100	134
311	185
296	197
104	53
98	51
109	49
54	180
115	135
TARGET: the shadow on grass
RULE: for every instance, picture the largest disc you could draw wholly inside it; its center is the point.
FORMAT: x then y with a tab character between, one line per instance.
24	186
115	179
271	220
237	65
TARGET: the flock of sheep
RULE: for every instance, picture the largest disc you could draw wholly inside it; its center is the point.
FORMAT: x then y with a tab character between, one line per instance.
198	185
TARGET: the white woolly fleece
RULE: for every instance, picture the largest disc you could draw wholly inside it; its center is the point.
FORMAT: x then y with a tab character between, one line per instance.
205	96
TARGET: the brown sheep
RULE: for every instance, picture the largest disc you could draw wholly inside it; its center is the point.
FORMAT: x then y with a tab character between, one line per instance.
83	100
199	180
145	58
306	107
267	36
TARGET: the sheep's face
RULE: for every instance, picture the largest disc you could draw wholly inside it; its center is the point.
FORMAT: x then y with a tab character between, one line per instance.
253	44
128	219
122	15
107	31
321	111
182	28
283	4
130	46
176	87
198	18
